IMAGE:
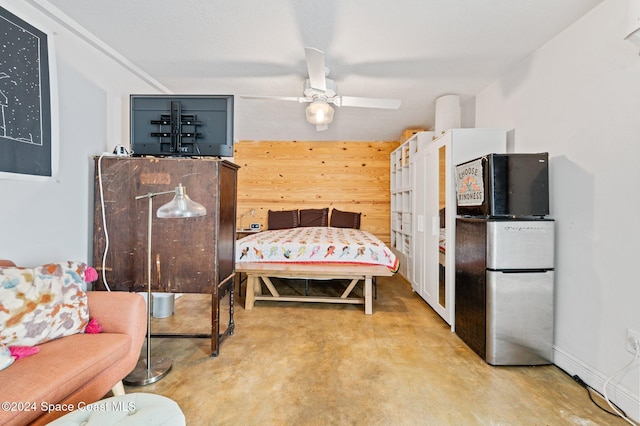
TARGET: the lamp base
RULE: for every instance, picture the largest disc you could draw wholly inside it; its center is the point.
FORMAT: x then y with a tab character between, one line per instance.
141	375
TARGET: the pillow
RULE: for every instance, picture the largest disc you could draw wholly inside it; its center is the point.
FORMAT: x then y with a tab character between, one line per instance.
314	217
282	219
42	304
340	219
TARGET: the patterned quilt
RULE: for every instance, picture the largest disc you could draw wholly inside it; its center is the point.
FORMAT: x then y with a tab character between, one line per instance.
315	245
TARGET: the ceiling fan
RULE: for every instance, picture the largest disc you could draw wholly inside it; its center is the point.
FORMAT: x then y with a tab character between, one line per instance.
320	91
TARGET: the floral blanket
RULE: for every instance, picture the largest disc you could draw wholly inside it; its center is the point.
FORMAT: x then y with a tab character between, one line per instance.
315	245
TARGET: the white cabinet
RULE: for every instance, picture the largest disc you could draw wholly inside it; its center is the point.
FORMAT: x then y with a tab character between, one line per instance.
402	200
434	211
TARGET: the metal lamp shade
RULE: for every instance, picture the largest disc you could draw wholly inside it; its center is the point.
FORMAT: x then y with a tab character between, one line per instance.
181	206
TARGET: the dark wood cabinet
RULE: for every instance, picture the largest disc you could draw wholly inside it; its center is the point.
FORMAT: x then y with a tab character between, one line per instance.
190	255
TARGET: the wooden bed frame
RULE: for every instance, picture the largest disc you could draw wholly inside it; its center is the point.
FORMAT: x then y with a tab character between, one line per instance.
257	271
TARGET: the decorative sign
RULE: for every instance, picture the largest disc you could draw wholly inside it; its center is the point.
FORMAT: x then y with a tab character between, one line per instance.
470	183
25	99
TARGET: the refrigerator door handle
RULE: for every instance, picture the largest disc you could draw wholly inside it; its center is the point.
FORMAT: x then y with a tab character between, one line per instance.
521	271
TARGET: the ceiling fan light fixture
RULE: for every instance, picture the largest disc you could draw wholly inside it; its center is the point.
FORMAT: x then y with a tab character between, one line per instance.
319	112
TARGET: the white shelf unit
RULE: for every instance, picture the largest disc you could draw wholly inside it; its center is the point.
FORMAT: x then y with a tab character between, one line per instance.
402	177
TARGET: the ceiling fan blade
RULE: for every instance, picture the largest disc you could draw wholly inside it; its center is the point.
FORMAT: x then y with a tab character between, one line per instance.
354	101
279	98
321	127
315	66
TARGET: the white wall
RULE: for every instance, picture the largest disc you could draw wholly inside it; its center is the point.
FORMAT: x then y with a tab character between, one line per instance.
578	98
53	220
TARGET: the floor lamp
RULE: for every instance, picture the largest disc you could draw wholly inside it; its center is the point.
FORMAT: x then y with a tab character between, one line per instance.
153	369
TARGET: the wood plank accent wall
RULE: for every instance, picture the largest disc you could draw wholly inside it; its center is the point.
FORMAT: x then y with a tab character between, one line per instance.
284	175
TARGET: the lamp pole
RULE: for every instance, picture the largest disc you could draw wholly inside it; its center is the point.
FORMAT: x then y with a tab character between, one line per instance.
151	370
180	207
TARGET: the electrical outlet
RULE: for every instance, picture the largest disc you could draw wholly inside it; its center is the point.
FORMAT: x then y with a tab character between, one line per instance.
633	341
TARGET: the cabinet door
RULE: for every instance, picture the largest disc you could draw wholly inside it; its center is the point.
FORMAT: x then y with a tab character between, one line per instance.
185	254
419	221
437	282
432	223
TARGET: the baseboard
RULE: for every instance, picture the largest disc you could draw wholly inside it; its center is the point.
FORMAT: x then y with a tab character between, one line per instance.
619	395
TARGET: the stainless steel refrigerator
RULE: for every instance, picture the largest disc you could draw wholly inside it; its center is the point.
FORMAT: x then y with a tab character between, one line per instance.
504	278
504	289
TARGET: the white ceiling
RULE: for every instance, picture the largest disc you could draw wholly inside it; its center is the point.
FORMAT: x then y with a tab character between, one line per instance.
413	50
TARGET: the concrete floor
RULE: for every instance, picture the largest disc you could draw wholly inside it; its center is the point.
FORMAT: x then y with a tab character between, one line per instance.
326	364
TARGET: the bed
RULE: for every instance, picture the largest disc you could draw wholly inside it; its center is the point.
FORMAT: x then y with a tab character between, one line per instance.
313	252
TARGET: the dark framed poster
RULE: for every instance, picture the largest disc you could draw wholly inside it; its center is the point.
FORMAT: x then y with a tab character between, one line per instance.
28	128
